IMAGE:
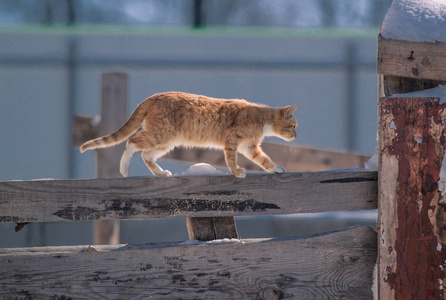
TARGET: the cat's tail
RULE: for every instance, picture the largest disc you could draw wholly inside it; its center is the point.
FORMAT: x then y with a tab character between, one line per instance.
122	134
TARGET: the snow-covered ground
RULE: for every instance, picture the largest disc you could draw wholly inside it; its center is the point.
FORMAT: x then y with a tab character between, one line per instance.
416	20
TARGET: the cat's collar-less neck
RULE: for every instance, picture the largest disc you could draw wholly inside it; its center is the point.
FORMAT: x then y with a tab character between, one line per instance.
268	130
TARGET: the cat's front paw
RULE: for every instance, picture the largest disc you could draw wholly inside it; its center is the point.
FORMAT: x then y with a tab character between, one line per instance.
239	173
124	172
164	173
277	169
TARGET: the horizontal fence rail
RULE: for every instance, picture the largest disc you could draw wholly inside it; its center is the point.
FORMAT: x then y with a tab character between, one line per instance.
185	196
332	266
292	157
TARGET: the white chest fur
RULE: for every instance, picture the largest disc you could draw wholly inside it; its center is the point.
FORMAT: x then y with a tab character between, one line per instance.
268	130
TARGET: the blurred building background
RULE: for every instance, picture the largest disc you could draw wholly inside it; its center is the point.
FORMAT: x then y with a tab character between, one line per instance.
287	13
320	55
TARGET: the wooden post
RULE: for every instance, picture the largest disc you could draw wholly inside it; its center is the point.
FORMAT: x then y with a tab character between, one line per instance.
411	213
409	59
412	139
113	116
211	228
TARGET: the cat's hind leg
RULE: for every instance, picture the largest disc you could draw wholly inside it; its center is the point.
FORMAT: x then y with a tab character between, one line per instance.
152	147
149	157
130	149
255	154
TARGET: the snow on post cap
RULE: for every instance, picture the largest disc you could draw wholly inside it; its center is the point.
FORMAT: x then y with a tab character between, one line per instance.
416	20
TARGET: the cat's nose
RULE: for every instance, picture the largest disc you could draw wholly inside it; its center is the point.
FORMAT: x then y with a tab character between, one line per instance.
292	136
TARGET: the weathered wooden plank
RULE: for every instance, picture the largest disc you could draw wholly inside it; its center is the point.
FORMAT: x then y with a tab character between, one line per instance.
332	266
412	59
411	213
188	196
211	228
292	157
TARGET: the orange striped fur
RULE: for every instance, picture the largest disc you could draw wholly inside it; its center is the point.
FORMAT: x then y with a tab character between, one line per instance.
172	119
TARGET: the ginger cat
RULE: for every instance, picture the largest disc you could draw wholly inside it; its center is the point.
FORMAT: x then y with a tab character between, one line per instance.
179	119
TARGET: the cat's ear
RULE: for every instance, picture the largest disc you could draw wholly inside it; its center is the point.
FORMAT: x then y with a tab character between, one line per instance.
288	111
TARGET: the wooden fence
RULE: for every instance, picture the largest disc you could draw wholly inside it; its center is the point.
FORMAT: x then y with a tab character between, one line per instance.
328	266
409	249
412	141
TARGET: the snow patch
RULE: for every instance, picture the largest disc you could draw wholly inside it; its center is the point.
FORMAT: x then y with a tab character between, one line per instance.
224	241
352	169
200	169
436	92
190	242
372	163
416	20
392	125
363	215
375	282
36	179
442	181
213	242
89	249
96	120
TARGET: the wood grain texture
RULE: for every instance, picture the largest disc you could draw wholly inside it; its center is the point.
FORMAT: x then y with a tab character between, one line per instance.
411	213
113	116
211	228
292	157
188	196
419	60
332	266
113	105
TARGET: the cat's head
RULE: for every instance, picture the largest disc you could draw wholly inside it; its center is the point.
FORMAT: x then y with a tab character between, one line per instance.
284	125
